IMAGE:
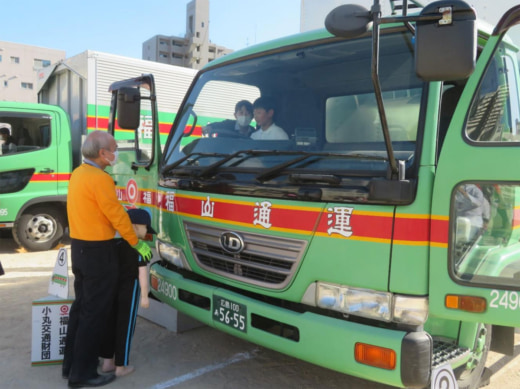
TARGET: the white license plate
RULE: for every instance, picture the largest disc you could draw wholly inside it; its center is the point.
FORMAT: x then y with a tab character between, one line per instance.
230	313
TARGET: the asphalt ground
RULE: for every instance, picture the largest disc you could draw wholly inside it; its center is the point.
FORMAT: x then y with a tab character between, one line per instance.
199	358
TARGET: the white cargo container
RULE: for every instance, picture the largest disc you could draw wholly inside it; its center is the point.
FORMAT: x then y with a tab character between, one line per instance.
79	85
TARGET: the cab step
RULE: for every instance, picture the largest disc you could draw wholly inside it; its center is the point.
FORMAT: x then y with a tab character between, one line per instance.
447	353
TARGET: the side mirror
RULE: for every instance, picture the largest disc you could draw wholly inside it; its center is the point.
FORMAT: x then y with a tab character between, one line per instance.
128	108
348	21
446	49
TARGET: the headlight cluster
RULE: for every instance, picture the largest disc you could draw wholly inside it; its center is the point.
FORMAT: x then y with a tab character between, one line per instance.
171	254
372	304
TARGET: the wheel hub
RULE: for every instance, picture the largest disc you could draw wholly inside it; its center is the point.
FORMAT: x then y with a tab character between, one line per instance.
41	228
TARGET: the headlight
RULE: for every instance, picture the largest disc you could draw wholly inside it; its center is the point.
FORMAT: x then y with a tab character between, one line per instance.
372	304
329	296
172	254
355	301
368	303
410	310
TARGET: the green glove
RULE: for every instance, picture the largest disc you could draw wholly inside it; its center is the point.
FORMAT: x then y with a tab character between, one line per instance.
143	249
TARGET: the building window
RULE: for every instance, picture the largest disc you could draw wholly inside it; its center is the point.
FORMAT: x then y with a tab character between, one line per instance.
15	59
198	34
41	63
6	83
27	85
163	55
0	58
202	24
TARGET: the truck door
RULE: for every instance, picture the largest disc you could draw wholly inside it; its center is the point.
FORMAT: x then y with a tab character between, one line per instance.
475	272
138	143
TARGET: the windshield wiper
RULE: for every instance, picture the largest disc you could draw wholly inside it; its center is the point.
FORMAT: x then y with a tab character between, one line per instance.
214	167
187	157
315	177
275	170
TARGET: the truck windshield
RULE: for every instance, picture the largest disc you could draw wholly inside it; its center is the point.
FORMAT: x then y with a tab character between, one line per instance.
324	106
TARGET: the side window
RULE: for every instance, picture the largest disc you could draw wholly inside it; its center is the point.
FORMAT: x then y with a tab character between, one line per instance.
513	100
485	240
22	134
495	112
144	137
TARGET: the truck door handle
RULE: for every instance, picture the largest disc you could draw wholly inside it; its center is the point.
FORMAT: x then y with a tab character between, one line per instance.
46	170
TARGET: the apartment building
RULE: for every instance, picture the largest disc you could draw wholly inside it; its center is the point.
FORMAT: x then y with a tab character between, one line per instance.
194	50
19	68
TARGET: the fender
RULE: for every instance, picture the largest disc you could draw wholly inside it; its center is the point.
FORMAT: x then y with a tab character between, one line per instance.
61	200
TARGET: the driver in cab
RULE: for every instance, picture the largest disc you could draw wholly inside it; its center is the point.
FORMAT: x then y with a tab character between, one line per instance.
240	127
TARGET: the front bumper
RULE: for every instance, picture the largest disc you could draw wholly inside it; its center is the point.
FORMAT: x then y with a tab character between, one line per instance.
321	340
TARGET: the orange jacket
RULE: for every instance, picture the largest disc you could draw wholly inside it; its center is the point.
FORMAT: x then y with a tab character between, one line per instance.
93	209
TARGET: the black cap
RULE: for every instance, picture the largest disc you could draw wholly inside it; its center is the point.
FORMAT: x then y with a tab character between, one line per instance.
140	216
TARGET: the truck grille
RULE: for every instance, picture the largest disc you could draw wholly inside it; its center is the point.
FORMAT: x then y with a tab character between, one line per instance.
266	261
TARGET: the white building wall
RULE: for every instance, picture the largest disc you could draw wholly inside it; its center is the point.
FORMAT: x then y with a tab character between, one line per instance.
20	66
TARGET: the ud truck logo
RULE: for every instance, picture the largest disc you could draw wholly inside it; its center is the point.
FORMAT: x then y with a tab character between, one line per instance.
231	242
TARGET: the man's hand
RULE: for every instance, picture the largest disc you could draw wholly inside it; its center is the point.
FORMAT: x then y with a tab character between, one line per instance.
143	249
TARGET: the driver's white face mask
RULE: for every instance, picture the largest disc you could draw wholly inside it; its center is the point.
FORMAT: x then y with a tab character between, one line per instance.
244	120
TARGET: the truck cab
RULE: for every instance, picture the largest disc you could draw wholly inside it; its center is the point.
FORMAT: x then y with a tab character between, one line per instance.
35	165
378	238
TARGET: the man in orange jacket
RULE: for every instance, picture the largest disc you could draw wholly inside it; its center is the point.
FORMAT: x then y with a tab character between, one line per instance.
95	215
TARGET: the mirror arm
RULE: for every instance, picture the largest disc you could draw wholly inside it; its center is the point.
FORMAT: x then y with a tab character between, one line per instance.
111	115
377	20
410	28
376	17
408	19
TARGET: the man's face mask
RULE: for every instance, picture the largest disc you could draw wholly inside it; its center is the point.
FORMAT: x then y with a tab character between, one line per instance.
114	161
244	120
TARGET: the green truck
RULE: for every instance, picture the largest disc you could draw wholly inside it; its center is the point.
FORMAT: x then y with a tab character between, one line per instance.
34	174
381	239
46	139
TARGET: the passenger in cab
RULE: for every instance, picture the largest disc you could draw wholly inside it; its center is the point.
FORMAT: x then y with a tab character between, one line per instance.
264	112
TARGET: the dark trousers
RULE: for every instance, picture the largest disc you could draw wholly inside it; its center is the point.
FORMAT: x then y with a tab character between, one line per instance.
122	317
95	269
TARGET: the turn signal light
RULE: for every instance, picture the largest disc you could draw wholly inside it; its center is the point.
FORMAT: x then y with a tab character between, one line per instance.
466	303
376	356
154	282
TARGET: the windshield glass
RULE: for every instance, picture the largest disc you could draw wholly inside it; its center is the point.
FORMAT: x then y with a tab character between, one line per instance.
314	113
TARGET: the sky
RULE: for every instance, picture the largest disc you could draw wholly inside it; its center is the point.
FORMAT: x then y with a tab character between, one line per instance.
120	27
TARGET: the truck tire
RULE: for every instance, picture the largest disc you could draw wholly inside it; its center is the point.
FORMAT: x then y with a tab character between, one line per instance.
39	228
469	378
